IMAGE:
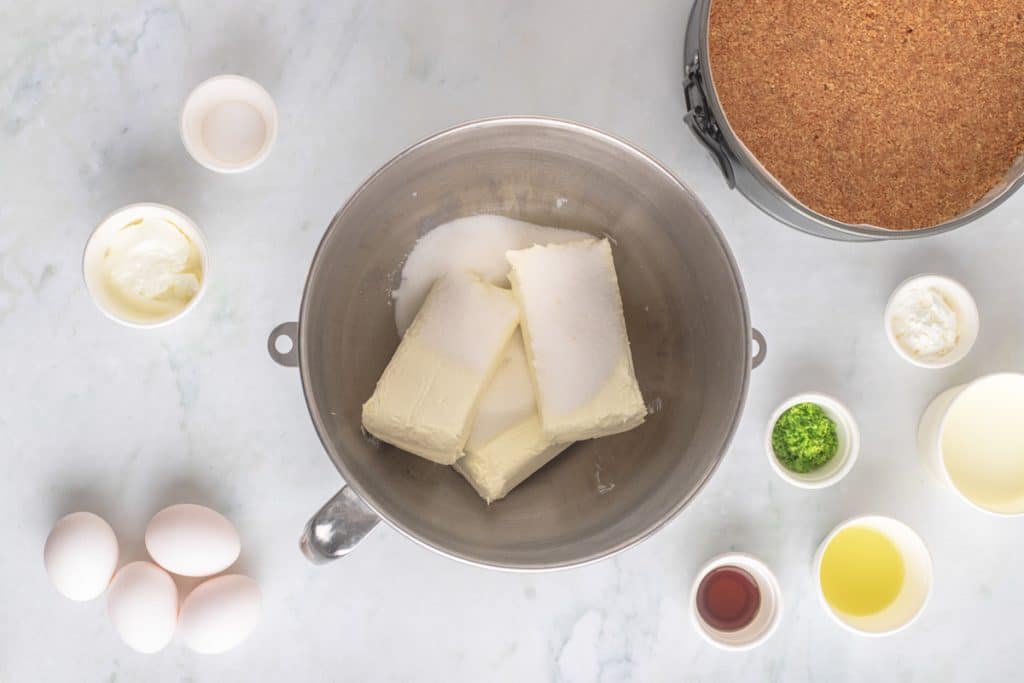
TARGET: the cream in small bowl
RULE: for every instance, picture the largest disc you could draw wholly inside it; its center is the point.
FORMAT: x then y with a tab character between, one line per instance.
145	265
812	440
931	321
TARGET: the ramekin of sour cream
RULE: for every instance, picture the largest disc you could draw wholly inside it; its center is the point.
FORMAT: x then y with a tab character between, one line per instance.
145	265
931	320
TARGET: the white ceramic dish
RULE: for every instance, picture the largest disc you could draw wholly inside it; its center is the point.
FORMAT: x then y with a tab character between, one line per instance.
842	462
765	621
958	298
930	433
229	124
917	582
94	275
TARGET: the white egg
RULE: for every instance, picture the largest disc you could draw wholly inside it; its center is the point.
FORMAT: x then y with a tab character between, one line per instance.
192	540
220	613
81	555
143	606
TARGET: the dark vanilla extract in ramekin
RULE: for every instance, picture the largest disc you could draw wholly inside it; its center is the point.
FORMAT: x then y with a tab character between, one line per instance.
728	598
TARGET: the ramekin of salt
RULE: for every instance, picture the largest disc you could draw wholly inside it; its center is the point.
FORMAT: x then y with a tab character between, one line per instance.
229	123
931	320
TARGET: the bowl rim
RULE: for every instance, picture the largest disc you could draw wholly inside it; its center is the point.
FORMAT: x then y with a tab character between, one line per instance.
337	459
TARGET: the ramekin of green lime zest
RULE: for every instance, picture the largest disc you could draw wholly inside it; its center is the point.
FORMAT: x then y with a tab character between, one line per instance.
812	440
804	438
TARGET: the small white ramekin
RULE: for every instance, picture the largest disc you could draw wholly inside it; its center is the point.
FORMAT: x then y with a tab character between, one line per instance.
847	434
963	305
765	621
917	581
92	262
206	97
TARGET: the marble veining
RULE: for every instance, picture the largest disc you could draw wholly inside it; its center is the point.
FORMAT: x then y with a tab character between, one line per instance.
122	422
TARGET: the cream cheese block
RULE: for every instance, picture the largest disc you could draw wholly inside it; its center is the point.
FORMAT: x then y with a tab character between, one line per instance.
426	398
506	444
509	459
576	342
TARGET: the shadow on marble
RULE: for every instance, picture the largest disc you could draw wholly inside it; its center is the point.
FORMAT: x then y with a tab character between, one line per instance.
817	374
80	497
733	534
187	488
939	260
249	49
163	174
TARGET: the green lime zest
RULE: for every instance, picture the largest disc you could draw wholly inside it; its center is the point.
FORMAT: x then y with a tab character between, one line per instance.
804	438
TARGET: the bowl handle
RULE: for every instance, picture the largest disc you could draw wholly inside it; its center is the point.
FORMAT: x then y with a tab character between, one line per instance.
762	347
337	528
289	358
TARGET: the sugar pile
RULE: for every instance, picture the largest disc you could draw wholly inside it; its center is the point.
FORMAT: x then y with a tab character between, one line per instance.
474	243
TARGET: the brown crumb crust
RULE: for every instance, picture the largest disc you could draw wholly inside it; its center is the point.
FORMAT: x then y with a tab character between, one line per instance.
896	113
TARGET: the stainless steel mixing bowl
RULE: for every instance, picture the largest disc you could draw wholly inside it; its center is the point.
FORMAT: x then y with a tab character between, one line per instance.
686	315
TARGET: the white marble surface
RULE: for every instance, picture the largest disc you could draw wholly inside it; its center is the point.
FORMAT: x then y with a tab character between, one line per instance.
97	416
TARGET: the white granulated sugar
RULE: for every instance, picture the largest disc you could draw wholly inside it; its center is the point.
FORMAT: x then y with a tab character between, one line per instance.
570	297
468	320
474	243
